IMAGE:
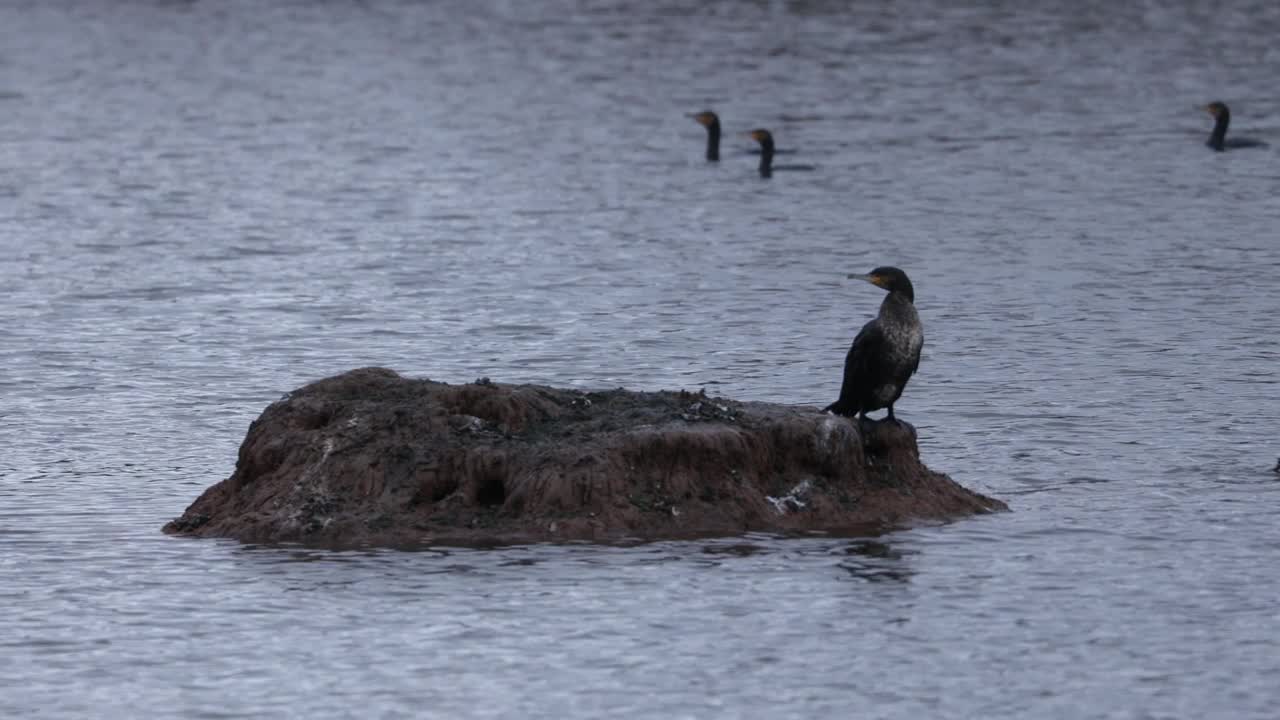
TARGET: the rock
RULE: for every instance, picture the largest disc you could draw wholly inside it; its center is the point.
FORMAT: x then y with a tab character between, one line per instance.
371	458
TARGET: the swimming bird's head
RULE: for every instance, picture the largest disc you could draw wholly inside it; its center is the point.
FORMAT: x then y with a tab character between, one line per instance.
889	278
706	118
762	136
1217	109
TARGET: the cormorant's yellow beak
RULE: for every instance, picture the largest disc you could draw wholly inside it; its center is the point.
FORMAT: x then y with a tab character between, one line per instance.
701	118
755	135
1210	109
877	280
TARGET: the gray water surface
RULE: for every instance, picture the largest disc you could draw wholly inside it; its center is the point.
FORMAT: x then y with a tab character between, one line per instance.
206	204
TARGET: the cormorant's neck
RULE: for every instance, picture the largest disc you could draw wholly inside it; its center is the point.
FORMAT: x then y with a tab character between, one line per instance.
898	297
766	158
1219	136
713	141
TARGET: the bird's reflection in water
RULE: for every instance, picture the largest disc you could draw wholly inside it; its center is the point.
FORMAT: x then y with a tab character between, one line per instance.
738	549
874	561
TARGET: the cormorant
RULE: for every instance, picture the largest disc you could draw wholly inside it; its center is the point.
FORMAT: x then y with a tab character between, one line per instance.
711	122
1218	139
765	138
886	352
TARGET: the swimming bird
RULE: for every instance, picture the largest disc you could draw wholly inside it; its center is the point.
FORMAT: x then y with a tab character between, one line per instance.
1222	118
886	352
711	122
765	138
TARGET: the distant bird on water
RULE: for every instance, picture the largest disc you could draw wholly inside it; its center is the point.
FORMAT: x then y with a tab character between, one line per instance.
886	352
765	138
1218	138
711	122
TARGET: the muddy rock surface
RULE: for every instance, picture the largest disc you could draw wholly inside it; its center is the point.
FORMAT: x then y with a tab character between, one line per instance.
372	458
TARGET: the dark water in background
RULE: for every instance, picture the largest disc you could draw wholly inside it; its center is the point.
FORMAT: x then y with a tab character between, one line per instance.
206	204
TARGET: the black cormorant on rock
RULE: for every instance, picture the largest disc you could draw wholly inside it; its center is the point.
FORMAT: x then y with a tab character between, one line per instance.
767	150
886	352
1218	138
711	122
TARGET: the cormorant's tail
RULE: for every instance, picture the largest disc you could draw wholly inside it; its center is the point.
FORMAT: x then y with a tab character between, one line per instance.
840	407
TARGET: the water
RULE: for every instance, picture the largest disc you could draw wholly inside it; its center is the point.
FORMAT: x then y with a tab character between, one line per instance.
204	205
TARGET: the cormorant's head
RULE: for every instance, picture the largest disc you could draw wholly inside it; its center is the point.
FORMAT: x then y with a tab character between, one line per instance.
706	118
762	136
889	278
1217	109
